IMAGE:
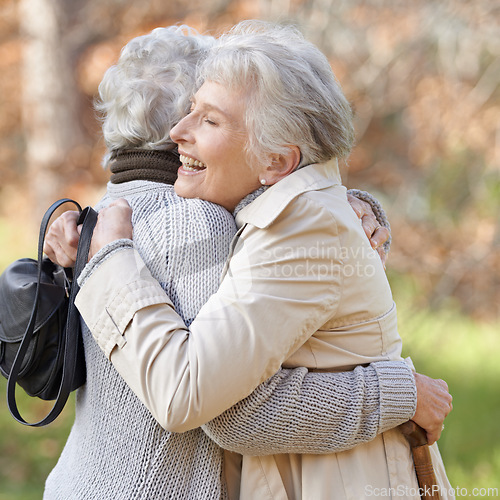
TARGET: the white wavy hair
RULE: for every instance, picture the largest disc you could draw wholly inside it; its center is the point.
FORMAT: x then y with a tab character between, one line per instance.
148	90
294	97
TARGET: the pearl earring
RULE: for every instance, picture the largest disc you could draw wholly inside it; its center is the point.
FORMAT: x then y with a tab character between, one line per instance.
263	182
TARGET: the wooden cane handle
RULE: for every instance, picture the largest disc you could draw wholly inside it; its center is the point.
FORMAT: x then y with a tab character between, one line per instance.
415	435
417	438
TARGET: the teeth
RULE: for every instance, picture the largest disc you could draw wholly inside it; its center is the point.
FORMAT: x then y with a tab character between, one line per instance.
191	164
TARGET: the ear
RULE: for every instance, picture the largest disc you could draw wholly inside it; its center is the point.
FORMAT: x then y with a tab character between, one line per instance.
282	165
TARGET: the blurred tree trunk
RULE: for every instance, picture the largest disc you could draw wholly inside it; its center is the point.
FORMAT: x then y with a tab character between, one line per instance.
51	97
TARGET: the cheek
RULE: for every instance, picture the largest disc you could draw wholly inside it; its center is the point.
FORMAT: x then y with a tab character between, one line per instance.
234	177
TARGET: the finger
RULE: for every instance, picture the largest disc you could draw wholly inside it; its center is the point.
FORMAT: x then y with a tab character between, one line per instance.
56	253
61	241
379	236
434	433
370	224
49	251
449	409
67	255
357	205
70	239
432	437
64	229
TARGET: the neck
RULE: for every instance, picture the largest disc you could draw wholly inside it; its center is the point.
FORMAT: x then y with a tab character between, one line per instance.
144	165
249	198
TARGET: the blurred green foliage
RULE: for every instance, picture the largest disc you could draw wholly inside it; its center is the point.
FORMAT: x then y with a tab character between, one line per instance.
443	344
27	455
465	352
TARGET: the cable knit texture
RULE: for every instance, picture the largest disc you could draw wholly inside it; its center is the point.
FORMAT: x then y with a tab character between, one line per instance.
116	450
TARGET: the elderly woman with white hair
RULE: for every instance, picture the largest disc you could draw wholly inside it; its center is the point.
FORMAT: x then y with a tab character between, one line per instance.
302	288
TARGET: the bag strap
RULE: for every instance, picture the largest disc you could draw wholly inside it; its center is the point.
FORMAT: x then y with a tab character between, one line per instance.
71	330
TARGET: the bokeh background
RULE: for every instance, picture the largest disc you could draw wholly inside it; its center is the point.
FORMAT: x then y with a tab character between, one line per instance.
423	79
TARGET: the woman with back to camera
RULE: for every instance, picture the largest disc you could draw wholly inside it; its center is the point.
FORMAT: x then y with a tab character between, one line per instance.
122	316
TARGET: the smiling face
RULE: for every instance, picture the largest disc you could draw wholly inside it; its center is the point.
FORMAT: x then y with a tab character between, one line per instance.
211	141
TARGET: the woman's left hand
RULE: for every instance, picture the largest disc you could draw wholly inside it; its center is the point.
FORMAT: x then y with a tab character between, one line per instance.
376	233
114	223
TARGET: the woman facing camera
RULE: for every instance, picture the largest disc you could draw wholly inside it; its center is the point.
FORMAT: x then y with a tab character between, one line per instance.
302	286
114	435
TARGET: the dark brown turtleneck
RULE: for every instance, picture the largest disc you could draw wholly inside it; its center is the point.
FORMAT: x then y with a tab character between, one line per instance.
144	165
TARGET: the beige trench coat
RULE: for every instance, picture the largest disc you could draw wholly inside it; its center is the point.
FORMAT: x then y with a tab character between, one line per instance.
363	330
302	287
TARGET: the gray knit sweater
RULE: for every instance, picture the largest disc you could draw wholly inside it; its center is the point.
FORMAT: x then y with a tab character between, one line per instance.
116	450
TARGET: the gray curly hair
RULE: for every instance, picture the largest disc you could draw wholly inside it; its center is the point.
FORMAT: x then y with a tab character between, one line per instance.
148	90
294	97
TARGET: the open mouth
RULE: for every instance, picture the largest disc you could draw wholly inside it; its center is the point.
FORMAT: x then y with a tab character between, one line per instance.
191	164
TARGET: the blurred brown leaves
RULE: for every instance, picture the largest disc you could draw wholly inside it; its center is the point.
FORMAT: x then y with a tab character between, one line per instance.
423	77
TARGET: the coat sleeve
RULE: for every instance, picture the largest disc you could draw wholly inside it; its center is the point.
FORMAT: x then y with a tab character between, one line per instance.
297	411
269	303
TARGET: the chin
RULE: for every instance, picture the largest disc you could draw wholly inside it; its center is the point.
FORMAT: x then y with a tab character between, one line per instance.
183	191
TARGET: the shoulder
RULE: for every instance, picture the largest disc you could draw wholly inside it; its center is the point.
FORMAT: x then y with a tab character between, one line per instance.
333	204
152	200
306	222
317	210
204	215
293	192
319	219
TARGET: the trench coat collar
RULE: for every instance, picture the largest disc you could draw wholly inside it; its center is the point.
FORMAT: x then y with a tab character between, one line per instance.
263	211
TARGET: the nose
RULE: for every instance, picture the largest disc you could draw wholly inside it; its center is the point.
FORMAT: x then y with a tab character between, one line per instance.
179	133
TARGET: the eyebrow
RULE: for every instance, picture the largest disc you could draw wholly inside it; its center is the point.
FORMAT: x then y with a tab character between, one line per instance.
212	107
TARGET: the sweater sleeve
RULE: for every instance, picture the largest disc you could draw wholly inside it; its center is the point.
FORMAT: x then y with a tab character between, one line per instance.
297	411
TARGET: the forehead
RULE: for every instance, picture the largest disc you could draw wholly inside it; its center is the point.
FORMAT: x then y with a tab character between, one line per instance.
231	103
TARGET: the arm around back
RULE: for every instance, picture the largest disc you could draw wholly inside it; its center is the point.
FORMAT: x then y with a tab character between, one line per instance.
297	411
186	377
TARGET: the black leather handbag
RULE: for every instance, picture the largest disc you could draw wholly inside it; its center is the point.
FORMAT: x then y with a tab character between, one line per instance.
41	346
